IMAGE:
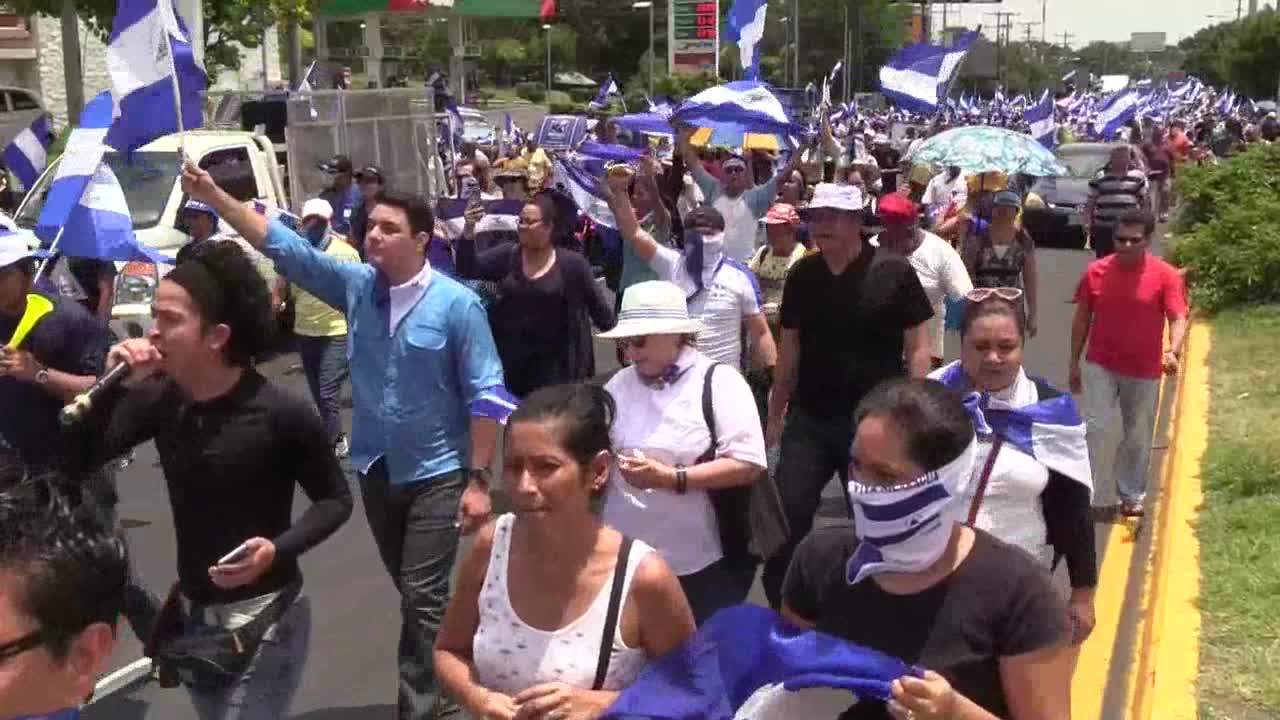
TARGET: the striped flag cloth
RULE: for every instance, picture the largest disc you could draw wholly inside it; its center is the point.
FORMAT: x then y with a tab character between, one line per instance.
28	155
286	218
495	403
1116	111
498	224
1040	117
148	54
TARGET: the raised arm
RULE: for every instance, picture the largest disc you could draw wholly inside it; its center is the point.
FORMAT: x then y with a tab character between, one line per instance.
614	190
492	264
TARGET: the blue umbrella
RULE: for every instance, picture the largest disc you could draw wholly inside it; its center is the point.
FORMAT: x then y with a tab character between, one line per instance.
980	148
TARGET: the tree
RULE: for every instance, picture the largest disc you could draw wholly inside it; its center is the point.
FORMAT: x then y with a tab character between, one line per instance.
1251	57
226	22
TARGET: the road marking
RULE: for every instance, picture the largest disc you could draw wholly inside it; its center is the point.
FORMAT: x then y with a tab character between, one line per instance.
122	678
1163	682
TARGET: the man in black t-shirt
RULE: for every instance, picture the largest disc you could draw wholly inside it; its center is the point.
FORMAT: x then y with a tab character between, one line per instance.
852	316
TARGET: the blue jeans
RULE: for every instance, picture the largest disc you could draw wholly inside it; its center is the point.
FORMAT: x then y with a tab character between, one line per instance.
324	362
266	689
413	527
1103	390
812	450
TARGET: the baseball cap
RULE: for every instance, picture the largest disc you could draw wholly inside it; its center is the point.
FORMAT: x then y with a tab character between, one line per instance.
782	214
1007	198
371	172
336	164
317	207
197	206
15	247
894	208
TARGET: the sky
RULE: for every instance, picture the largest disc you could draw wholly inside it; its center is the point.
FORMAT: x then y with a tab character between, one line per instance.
1091	20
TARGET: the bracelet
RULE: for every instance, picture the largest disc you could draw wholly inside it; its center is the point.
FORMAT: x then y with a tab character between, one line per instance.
682	480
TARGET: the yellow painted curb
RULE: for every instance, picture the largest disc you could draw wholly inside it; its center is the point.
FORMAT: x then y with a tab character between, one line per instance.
1163	683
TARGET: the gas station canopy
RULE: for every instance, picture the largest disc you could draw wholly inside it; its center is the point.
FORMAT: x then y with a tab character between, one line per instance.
469	8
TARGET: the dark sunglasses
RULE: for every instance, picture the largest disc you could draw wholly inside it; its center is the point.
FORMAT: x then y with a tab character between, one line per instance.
30	641
1119	240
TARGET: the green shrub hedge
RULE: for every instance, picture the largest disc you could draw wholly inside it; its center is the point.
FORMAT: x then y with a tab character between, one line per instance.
1229	230
532	91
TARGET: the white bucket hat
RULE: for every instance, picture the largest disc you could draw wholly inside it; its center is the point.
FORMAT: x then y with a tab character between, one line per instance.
655	307
837	197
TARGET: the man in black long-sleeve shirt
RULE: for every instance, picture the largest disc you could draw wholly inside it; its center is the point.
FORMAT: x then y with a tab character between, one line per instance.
233	446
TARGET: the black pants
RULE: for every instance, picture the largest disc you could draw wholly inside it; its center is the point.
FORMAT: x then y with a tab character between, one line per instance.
1103	239
413	527
716	587
812	450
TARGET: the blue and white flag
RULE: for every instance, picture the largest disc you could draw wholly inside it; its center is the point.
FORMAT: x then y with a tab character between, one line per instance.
306	86
1118	110
85	199
918	76
1069	77
581	185
661	107
148	52
738	107
607	90
497	225
745	26
1040	117
286	218
746	661
1225	103
28	155
495	403
1051	431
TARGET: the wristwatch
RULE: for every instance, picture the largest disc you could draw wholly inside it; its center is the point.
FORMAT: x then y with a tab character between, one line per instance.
42	375
484	476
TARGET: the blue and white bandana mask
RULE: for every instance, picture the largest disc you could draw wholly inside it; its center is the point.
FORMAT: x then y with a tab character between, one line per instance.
906	528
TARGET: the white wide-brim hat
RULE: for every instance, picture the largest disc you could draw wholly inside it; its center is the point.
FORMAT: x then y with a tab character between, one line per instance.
654	307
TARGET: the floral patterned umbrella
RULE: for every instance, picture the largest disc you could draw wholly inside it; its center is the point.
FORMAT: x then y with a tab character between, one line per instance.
979	148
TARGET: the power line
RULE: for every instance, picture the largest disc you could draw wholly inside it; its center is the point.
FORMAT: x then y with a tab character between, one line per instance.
1027	26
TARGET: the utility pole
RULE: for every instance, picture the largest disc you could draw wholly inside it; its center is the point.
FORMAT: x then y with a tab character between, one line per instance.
844	57
1004	25
1044	22
795	30
1027	27
1066	40
1239	9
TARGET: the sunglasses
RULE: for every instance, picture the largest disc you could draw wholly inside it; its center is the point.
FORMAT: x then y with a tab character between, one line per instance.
978	295
30	641
635	342
1120	241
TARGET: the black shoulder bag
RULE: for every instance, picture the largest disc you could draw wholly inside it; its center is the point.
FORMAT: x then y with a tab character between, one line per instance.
750	518
611	617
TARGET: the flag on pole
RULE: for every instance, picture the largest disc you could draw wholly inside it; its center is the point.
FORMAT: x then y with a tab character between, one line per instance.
918	76
85	199
1041	119
607	90
153	72
1118	109
306	86
745	27
28	154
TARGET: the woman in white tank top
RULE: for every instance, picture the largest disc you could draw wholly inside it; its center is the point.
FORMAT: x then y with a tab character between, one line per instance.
547	587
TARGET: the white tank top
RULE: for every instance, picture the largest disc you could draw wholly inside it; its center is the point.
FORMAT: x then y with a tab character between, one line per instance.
510	656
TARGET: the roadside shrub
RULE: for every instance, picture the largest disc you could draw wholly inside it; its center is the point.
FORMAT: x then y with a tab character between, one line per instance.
532	91
1227	238
1233	258
559	102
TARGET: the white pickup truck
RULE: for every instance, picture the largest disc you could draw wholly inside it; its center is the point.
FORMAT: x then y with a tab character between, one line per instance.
244	165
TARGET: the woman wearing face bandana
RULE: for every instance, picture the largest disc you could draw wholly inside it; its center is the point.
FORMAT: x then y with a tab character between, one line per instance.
977	617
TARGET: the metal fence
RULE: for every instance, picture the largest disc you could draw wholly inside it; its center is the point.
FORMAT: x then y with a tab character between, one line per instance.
393	128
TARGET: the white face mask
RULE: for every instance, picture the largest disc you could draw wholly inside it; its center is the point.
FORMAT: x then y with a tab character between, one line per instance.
908	529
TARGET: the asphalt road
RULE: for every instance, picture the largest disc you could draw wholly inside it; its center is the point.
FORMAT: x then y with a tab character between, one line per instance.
350	672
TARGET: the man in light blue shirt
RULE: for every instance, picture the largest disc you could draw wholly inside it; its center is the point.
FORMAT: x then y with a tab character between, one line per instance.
425	376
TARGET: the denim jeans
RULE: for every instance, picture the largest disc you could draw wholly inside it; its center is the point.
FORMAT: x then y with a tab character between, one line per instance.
812	450
1137	398
266	689
413	527
716	587
324	362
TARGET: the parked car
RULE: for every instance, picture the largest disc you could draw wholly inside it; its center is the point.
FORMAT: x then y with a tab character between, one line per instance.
18	109
475	128
1060	221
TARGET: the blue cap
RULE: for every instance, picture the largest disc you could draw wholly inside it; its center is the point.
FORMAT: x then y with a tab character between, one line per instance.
197	206
1007	198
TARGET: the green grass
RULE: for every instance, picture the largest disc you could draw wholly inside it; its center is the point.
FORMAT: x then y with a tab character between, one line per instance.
1240	522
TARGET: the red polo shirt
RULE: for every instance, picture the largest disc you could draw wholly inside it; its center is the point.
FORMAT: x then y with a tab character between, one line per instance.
1129	307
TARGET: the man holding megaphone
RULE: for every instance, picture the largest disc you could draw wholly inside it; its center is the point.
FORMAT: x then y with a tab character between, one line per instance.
53	349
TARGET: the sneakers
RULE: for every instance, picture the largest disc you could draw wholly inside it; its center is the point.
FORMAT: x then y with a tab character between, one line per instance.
1131	508
342	447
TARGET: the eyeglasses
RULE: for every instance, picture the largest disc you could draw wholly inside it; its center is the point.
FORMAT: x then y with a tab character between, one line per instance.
1121	240
30	641
978	295
635	342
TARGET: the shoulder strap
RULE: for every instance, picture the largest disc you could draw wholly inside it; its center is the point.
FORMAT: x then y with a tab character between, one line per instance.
983	478
611	617
708	414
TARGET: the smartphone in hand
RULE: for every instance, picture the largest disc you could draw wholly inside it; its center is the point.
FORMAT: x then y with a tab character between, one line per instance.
239	555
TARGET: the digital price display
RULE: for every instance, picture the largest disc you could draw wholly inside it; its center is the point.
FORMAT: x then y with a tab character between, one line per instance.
694	36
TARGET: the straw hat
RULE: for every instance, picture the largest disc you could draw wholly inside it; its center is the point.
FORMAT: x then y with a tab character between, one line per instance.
655	307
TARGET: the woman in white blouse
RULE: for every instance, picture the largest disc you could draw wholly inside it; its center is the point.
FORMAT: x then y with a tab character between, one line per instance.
554	613
671	474
1039	502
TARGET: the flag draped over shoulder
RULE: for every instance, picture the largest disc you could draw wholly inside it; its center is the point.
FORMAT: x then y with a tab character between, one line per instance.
148	52
748	657
1050	431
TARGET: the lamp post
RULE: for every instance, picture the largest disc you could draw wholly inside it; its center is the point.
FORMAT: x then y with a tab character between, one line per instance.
786	44
640	5
547	27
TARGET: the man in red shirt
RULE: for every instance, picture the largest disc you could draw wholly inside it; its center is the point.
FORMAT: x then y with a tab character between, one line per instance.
1122	304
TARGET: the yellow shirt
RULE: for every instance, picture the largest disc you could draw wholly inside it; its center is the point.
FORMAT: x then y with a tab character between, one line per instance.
313	318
